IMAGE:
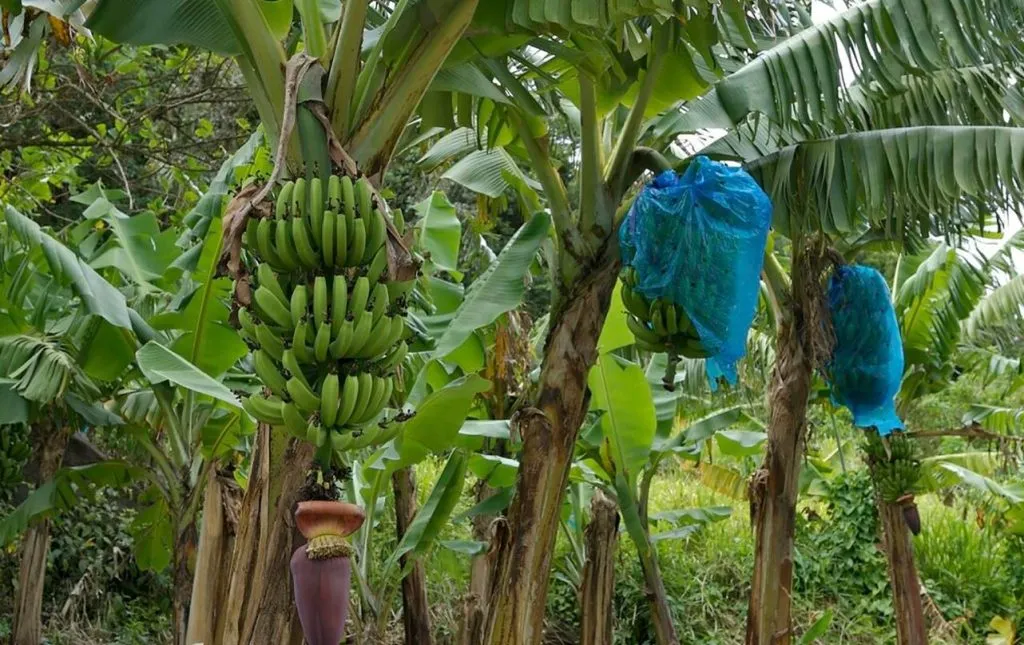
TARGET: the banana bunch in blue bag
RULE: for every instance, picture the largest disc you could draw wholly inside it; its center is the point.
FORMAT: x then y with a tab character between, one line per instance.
326	325
692	246
659	325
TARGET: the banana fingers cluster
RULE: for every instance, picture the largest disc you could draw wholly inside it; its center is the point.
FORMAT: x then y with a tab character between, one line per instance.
895	466
326	324
659	325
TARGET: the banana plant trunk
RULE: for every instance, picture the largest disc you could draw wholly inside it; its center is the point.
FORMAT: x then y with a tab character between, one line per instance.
657	597
181	575
49	439
213	559
773	488
260	605
474	605
906	590
415	608
598	586
523	544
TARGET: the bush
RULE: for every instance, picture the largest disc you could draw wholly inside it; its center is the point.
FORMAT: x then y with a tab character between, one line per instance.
837	555
966	568
91	553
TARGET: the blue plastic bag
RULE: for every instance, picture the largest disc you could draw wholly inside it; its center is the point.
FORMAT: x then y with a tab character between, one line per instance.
698	240
867	363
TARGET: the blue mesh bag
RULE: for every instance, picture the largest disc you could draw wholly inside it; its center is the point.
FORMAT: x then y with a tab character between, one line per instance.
697	240
867	364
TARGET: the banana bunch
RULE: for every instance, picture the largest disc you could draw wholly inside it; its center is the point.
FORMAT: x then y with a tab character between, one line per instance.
14	452
895	466
659	325
326	325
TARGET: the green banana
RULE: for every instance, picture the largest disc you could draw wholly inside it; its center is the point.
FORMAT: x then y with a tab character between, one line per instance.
290	362
360	334
327	238
334	193
299	198
285	247
378	266
265	410
367	437
356	243
399	290
692	348
383	336
395	356
304	397
247	324
671	320
342	340
268	373
658	318
329	392
316	208
299	303
300	342
340	241
389	389
265	277
265	244
360	296
341	441
319	300
381	302
641	332
365	390
364	197
269	342
376	393
375	339
303	246
284	200
294	420
312	434
349	397
251	241
274	309
376	229
339	302
322	342
348	199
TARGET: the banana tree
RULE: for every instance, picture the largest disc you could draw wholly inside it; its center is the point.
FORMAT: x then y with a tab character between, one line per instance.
622	65
377	60
50	388
163	387
846	140
948	302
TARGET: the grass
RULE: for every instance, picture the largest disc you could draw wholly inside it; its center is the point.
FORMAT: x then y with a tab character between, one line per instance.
972	573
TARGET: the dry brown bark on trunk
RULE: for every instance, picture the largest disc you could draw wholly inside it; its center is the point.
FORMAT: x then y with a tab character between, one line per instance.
415	608
773	487
803	341
260	607
49	440
598	586
773	493
523	544
216	539
474	604
906	591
